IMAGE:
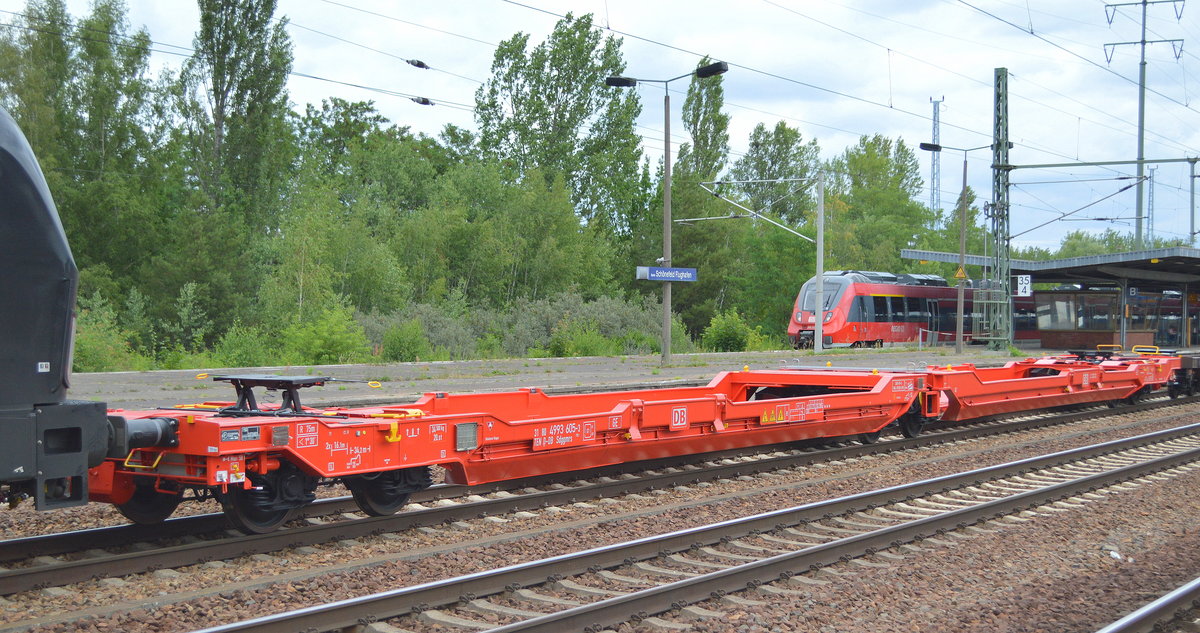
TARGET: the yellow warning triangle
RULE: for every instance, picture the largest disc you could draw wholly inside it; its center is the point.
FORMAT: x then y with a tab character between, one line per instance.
960	273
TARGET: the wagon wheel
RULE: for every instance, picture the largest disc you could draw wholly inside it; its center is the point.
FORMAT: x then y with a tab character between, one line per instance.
381	494
253	511
911	425
148	506
272	500
870	438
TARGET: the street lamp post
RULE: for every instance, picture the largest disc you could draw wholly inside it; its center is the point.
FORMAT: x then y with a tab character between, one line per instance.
703	72
962	238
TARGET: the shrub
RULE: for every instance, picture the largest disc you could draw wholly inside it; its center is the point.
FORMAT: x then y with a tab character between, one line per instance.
245	346
333	338
100	345
489	346
726	332
576	338
757	341
406	342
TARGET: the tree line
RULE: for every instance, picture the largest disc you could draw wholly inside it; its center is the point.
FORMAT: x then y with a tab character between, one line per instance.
216	223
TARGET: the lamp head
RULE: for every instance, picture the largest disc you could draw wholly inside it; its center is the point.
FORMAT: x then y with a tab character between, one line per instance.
711	70
931	147
620	82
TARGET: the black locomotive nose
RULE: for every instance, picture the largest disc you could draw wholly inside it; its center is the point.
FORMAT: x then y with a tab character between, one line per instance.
49	442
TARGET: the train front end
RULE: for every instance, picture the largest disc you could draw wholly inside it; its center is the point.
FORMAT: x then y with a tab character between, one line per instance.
49	441
802	324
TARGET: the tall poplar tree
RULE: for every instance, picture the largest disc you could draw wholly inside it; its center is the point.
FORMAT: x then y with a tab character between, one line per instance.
241	135
547	108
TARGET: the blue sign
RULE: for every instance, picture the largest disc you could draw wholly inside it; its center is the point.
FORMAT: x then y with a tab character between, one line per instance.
659	273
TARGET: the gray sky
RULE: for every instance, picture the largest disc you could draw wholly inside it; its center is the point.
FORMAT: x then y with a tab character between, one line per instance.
834	69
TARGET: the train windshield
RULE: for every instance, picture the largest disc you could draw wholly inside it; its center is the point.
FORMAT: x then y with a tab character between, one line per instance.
834	287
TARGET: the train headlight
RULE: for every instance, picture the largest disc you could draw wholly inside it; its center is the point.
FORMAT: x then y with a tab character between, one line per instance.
828	317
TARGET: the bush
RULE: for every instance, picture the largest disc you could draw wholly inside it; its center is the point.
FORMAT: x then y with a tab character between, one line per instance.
245	346
727	332
406	343
757	341
489	346
333	338
577	338
100	345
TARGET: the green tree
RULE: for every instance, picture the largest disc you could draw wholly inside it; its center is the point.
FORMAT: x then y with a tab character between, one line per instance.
548	108
496	241
327	135
779	154
713	248
36	79
242	140
876	181
704	158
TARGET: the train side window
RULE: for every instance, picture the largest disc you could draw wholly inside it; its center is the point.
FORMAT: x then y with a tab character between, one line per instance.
881	309
856	310
947	315
897	314
914	307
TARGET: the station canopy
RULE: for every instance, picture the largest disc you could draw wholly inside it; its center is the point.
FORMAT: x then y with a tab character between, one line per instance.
1157	269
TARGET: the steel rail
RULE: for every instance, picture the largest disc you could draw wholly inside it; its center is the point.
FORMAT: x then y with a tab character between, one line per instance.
1161	611
38	576
388	604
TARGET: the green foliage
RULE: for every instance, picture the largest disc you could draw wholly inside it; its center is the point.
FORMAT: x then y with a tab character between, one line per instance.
333	338
221	227
548	108
704	158
191	325
727	332
242	59
406	343
581	338
780	155
100	344
876	183
245	346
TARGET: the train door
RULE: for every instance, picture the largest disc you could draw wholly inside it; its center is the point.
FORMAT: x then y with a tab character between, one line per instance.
931	320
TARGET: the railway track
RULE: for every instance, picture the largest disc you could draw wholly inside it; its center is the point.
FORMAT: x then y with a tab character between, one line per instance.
32	566
1178	610
775	552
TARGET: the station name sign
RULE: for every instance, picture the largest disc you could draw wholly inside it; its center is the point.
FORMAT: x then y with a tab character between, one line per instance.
659	273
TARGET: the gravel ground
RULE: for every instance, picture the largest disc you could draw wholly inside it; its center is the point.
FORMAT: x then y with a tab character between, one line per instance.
1063	572
207	594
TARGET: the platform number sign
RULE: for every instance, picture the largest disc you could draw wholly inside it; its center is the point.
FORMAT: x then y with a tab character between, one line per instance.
1024	286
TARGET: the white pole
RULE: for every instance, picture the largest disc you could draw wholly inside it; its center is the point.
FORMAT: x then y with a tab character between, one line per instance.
666	290
819	308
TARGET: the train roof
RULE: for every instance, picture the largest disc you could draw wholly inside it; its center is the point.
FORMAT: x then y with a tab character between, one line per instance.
876	277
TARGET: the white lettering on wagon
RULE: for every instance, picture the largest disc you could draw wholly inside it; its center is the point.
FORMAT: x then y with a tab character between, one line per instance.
306	435
563	434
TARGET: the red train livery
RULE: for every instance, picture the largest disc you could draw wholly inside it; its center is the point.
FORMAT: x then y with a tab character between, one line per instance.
262	464
871	309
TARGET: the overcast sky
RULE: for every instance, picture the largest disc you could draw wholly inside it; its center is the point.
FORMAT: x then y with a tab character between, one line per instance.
834	69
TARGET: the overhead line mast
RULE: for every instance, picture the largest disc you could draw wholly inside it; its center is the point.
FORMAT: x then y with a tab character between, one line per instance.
1110	10
935	169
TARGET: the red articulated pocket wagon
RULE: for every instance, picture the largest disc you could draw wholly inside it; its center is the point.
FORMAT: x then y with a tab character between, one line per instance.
263	463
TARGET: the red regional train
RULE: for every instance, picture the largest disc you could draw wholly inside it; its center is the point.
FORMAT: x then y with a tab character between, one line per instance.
873	309
262	463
